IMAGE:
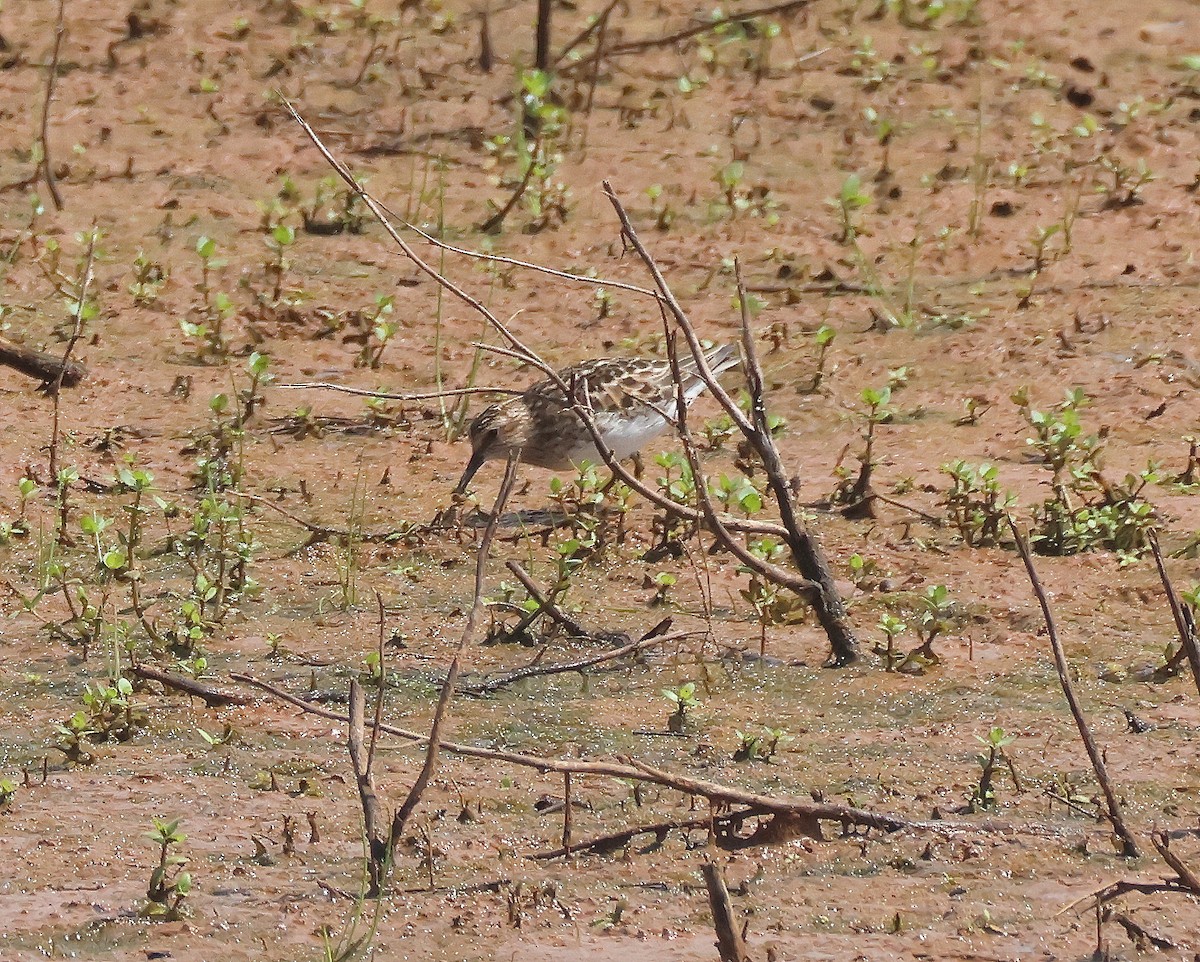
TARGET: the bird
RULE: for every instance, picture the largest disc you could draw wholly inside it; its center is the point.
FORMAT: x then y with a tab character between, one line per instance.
632	401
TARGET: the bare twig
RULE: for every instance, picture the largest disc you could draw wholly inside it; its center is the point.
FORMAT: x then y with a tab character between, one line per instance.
772	572
541	57
568	806
805	548
81	292
387	396
439	718
545	605
1187	876
537	671
493	223
650	43
514	262
599	22
378	850
1129	847
1183	624
51	76
611	841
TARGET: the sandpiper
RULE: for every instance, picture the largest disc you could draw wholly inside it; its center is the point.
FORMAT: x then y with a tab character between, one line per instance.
632	401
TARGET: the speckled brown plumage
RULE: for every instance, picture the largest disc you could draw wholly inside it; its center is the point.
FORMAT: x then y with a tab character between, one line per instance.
632	399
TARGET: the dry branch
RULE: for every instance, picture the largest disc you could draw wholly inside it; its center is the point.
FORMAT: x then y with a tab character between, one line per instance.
1129	847
377	845
1183	622
52	75
629	769
730	945
434	741
806	550
211	696
649	640
84	283
48	368
666	40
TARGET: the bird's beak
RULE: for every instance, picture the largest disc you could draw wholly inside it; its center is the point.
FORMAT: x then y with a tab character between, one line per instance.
476	462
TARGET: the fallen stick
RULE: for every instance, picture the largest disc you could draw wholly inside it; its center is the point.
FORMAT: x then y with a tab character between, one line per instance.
212	697
628	769
38	364
533	671
610	841
730	945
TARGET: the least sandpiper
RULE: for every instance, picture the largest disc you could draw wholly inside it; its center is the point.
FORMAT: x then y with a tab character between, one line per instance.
632	401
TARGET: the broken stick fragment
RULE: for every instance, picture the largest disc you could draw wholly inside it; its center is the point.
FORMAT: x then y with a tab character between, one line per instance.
45	367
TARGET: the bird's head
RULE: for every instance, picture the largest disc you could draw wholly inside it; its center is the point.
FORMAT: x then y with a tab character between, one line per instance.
497	433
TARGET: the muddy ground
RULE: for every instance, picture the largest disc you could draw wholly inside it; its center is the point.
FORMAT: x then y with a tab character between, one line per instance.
1025	216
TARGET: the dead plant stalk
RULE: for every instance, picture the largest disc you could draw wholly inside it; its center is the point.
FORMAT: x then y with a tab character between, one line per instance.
84	282
1129	847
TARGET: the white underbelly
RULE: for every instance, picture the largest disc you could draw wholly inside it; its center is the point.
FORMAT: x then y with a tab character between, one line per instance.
625	436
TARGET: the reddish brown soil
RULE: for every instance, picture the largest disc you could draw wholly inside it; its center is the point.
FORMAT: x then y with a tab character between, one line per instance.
174	134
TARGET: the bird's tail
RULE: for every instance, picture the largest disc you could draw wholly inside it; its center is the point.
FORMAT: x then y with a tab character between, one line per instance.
720	358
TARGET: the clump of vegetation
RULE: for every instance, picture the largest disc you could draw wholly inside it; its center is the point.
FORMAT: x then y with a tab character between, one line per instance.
759	746
976	504
1086	510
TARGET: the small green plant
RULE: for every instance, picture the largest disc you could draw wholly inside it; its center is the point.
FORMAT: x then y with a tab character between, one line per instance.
279	241
75	739
678	484
382	327
853	491
1086	510
8	791
149	278
663	582
662	212
976	504
334	209
848	202
169	883
737	493
684	702
983	796
891	626
215	309
759	746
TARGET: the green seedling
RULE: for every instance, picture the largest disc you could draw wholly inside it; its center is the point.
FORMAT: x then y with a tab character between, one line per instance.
663	582
149	278
759	746
8	791
169	883
983	796
685	703
891	626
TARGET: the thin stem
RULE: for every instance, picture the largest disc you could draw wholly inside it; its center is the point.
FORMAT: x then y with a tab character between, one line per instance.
84	283
47	168
1129	847
439	718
